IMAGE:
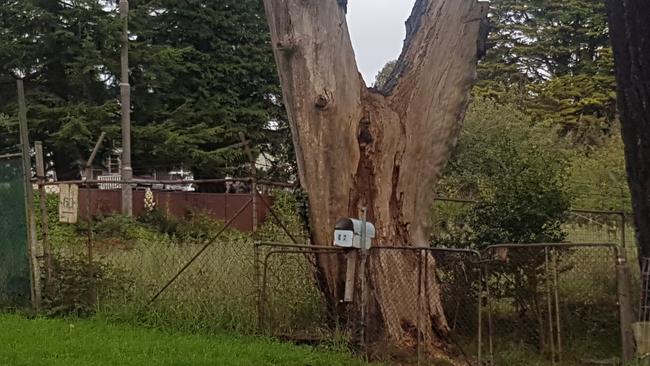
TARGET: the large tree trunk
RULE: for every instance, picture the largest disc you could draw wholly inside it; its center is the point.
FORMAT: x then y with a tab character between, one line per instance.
629	22
383	149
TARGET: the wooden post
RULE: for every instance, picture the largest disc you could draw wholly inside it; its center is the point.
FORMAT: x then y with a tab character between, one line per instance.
350	278
89	164
35	272
89	240
251	161
363	276
45	224
626	312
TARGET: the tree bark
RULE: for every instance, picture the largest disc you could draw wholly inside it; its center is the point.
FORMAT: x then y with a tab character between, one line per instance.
629	22
382	149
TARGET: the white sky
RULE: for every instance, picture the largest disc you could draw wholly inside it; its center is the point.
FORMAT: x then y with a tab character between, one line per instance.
377	30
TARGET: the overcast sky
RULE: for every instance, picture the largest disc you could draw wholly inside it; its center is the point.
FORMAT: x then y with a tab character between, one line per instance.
377	31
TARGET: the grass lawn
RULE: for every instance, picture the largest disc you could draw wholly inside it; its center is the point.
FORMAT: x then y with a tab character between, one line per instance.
91	342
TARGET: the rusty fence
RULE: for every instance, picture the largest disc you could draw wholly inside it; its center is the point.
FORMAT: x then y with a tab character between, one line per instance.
194	273
559	302
204	276
291	305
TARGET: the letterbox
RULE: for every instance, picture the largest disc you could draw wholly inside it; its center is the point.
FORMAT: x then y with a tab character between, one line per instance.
347	233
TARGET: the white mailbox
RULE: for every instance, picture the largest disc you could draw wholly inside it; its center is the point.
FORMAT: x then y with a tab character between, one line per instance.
347	233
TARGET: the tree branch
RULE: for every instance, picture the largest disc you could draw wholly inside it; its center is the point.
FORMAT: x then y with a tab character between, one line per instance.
430	90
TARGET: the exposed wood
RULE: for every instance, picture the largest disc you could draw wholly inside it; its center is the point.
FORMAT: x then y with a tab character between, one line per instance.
384	150
89	164
251	162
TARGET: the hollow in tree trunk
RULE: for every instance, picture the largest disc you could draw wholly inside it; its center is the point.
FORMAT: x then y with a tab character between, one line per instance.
382	149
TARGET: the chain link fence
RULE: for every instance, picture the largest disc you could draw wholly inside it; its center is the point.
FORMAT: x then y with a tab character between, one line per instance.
556	300
436	288
194	272
199	274
290	303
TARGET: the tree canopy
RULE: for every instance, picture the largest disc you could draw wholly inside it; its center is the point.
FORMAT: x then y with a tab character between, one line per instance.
556	56
201	73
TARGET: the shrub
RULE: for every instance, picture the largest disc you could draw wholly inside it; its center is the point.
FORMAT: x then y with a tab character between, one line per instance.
291	208
116	226
516	173
198	226
75	285
159	221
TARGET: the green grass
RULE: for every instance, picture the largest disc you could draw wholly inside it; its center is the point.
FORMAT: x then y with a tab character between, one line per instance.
92	342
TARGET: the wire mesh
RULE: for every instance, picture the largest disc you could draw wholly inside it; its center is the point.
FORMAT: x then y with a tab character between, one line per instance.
186	269
434	300
235	285
558	300
291	305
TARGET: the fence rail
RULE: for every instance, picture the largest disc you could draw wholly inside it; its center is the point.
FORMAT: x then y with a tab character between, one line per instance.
495	301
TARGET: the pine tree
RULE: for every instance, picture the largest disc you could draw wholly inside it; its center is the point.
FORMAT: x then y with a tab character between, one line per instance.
60	49
552	57
201	73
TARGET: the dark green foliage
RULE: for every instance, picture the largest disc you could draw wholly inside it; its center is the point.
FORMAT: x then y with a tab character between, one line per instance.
75	286
199	226
291	208
515	172
582	106
302	208
201	73
556	56
160	221
204	73
528	208
64	54
382	76
536	40
597	178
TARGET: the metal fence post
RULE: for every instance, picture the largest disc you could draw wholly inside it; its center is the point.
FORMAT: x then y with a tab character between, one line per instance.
419	307
549	304
626	313
363	279
480	315
47	250
557	306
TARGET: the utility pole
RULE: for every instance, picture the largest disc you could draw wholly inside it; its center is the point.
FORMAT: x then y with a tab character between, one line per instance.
125	93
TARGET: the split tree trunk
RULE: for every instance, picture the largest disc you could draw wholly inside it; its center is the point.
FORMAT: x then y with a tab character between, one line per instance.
383	149
629	22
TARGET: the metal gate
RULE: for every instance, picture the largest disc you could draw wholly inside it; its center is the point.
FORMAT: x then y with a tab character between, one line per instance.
14	258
